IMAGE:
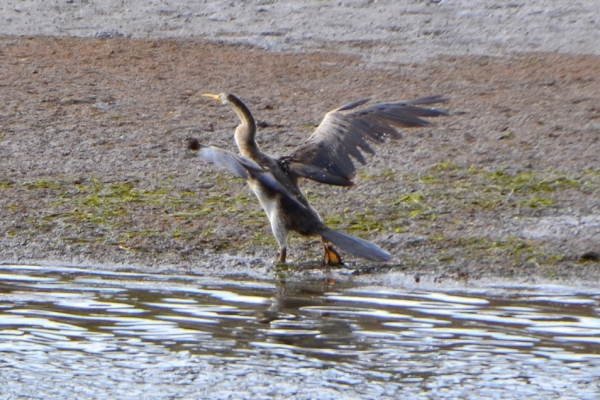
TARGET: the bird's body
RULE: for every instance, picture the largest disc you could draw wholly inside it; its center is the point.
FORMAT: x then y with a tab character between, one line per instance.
323	157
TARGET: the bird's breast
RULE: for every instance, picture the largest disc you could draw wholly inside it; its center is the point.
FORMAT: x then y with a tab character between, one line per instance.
268	198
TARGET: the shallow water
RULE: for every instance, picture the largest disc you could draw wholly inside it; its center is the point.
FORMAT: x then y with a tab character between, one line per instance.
76	333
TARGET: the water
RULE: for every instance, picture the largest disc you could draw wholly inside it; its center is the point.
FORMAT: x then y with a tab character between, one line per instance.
76	333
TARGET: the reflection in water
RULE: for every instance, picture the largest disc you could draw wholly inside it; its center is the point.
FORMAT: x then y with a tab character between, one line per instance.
73	333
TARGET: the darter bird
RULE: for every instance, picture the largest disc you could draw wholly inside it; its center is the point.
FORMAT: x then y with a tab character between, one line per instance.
326	157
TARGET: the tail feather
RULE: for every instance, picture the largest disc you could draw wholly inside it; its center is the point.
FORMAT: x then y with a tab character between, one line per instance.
355	246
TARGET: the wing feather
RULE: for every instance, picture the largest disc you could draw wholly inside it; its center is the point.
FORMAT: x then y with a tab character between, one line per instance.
245	168
239	166
344	134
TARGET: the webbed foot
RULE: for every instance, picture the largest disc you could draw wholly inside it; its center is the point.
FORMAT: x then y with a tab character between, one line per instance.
331	256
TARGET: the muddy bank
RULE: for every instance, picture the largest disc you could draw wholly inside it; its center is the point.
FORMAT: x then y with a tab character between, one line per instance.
93	169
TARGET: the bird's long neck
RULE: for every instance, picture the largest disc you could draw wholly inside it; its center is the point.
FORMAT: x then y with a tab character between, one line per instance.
245	133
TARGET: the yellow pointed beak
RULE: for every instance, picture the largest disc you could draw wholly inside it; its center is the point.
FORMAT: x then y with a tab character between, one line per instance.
212	96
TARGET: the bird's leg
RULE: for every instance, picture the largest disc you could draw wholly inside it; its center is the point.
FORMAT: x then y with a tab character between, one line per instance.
282	255
331	256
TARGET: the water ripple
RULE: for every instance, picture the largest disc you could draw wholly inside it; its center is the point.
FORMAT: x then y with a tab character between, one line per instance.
73	333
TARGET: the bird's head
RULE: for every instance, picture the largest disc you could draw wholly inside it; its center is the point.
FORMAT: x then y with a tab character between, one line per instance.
223	98
236	104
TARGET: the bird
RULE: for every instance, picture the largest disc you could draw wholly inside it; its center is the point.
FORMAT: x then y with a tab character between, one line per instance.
326	156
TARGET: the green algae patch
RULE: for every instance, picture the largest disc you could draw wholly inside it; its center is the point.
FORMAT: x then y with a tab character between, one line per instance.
445	204
124	213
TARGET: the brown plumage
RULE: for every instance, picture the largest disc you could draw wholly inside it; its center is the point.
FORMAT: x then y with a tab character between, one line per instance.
326	157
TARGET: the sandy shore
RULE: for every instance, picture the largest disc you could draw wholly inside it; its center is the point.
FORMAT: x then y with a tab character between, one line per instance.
97	101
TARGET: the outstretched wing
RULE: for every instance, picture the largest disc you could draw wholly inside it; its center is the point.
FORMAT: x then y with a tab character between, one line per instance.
326	156
240	167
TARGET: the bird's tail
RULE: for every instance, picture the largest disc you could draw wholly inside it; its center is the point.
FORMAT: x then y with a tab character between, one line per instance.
355	246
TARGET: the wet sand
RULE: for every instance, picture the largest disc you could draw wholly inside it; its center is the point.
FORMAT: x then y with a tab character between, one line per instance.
97	102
